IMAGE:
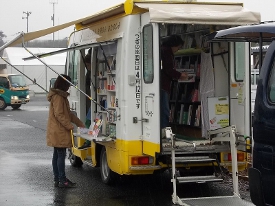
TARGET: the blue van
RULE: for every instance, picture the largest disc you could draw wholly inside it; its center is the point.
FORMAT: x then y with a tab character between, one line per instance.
262	173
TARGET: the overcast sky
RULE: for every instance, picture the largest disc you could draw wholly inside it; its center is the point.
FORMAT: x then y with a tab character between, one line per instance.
11	13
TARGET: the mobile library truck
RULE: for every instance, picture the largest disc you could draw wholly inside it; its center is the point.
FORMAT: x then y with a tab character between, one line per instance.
209	114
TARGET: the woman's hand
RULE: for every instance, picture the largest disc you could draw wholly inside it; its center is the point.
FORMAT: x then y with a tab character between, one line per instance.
82	125
183	76
72	127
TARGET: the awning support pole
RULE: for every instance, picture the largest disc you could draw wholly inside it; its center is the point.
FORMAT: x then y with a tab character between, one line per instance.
23	44
11	42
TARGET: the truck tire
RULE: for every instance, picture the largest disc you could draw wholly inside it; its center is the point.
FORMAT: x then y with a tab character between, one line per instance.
3	104
16	106
74	160
107	175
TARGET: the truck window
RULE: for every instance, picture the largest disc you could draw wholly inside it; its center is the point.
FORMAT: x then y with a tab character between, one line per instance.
239	61
4	82
148	71
271	83
73	65
17	81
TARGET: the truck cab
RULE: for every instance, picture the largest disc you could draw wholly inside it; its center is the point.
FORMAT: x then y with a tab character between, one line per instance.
13	91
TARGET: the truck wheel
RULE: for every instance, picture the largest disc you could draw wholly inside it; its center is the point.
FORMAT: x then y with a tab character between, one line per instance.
16	106
107	175
74	160
3	104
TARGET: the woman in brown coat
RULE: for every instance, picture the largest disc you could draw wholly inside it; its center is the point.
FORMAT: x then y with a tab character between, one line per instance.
59	128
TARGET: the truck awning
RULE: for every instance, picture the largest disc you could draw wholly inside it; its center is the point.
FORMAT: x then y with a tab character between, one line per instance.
164	12
201	13
25	37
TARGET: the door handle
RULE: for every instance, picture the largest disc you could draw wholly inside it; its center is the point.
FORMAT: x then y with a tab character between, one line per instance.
135	120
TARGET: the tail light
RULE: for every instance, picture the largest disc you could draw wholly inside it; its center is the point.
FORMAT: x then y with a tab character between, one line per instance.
142	160
240	157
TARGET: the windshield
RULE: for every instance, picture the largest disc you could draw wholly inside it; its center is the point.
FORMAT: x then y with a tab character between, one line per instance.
17	81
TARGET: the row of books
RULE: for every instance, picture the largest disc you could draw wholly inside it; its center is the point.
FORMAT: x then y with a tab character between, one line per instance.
187	115
103	68
111	116
104	103
112	101
102	86
186	93
189	65
111	85
111	130
105	85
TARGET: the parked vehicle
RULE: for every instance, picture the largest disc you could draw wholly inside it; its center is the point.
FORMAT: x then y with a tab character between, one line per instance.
262	174
13	91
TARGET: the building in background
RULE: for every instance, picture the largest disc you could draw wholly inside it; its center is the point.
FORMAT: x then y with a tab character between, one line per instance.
35	69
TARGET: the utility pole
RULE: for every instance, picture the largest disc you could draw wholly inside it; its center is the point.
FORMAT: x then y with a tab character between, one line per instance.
28	13
53	2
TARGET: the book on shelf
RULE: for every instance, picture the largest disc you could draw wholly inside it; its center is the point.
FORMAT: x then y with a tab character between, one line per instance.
111	130
192	71
190	111
103	103
198	116
112	101
102	86
173	92
111	83
181	114
111	116
111	62
177	62
195	95
95	128
101	70
185	117
172	111
198	70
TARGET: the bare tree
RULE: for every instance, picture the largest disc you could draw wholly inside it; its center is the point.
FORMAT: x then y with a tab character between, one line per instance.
2	35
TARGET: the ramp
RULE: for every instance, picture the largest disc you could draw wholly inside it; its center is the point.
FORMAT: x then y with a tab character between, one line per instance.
226	134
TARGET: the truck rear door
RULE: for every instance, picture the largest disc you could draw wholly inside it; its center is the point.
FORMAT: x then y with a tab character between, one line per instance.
150	90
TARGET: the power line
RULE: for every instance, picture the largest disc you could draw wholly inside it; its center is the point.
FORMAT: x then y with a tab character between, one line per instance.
28	13
53	2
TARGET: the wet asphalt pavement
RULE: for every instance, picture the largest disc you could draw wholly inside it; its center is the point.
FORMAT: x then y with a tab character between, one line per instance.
26	173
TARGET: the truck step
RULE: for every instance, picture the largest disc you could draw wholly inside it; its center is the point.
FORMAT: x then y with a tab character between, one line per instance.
145	167
88	162
198	179
194	159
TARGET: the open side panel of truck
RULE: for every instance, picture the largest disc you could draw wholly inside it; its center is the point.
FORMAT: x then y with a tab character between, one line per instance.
150	89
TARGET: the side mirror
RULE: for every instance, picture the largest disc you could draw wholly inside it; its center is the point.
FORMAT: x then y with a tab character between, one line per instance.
52	81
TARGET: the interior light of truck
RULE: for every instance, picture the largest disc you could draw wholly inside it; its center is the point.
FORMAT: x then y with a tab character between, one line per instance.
14	97
143	160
